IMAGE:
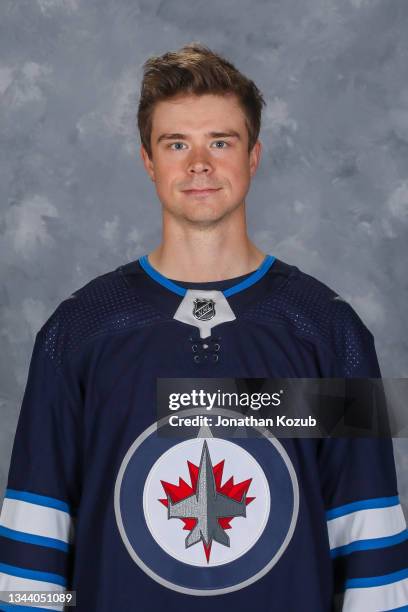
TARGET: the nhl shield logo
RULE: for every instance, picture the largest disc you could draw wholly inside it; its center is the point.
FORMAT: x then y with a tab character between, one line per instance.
204	309
206	516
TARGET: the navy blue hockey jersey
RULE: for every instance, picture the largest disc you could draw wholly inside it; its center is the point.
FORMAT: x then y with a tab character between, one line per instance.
99	503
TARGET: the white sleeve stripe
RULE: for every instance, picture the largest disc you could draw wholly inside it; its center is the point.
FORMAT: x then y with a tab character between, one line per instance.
362	504
36	520
40	500
377	598
365	525
9	582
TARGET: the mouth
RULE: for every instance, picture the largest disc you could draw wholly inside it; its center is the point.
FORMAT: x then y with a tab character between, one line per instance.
200	192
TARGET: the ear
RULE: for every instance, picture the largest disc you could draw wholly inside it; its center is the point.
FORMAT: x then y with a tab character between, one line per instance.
255	157
147	162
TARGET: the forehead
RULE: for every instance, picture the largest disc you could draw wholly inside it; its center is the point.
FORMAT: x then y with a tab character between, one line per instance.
191	113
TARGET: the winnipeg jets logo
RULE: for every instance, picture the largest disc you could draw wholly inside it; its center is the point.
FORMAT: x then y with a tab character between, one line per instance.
204	309
205	515
206	507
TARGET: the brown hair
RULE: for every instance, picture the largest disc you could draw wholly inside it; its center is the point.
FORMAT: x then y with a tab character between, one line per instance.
195	69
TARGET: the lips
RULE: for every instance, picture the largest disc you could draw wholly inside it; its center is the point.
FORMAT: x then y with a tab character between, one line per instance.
202	190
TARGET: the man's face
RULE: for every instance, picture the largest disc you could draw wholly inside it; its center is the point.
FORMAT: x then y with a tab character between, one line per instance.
198	143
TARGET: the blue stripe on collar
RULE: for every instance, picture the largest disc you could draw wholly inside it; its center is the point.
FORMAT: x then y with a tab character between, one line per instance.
166	282
159	278
253	278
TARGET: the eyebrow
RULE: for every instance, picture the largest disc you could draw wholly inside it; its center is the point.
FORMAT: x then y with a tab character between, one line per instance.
179	136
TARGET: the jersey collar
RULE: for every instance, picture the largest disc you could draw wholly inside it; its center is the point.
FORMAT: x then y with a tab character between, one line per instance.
179	290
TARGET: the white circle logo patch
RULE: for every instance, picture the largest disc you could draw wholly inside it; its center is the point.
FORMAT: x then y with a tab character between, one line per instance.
206	515
206	501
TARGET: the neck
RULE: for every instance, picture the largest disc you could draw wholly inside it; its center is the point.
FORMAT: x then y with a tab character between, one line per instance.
203	253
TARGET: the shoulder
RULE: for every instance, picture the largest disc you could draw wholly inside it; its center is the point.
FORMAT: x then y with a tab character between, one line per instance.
316	313
105	304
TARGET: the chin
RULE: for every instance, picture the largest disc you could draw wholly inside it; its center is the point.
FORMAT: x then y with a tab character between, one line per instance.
206	212
205	220
200	212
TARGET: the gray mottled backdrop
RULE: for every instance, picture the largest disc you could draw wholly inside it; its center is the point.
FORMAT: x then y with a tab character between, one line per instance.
331	195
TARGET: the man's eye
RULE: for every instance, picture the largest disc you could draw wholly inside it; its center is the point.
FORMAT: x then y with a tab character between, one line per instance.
175	147
176	143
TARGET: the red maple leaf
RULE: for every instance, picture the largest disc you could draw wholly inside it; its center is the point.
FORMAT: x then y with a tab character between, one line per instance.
183	490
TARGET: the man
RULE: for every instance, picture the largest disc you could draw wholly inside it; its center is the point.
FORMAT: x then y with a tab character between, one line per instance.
97	502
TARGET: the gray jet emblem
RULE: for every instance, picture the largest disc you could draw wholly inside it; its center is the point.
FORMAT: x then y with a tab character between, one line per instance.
206	505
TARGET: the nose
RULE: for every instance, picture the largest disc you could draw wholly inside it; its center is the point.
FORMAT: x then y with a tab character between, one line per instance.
199	168
199	163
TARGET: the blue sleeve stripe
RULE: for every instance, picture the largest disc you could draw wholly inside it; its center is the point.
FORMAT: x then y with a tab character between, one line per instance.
21	572
376	502
40	500
29	538
6	607
403	609
370	544
357	583
255	276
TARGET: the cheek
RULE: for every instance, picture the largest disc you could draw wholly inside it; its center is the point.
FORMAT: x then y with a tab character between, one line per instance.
238	175
236	165
167	174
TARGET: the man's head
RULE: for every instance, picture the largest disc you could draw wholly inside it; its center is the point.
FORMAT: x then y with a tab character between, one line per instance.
199	121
